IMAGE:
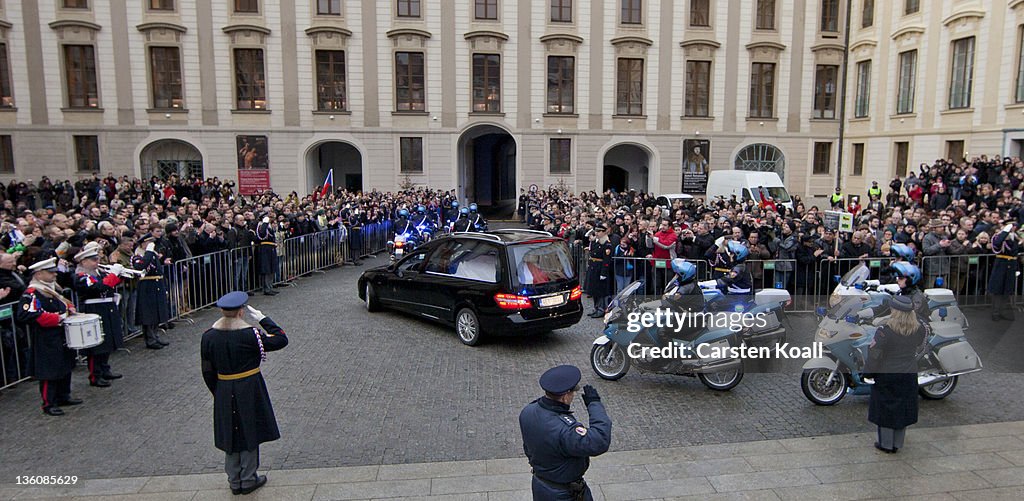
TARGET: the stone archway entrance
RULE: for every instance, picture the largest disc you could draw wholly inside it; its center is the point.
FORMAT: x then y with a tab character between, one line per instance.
626	167
171	157
341	156
487	170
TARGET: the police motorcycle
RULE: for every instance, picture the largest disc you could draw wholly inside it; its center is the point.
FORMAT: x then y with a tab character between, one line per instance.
479	223
847	328
425	226
726	295
406	238
705	353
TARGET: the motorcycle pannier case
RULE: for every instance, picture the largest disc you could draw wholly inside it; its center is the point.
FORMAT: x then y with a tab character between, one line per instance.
959	357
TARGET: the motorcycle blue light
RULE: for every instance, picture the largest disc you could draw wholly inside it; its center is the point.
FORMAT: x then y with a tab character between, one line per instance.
859	286
820	311
837	278
939	281
851	319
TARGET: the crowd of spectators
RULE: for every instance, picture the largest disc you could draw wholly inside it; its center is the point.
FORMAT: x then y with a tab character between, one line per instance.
947	211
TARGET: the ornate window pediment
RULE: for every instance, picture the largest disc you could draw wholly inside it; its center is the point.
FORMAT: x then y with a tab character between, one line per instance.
863	49
563	43
631	46
765	50
76	30
908	34
409	38
247	33
486	39
328	36
699	47
162	31
4	27
964	17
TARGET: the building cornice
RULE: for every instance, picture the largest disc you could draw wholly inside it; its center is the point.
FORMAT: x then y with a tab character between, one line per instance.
826	46
231	28
964	14
74	23
632	39
909	30
765	45
700	41
867	44
144	27
1015	4
486	33
559	36
314	30
397	32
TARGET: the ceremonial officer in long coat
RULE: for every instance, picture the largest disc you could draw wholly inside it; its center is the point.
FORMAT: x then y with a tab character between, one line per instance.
599	272
1003	278
97	294
42	309
153	308
266	255
558	446
242	414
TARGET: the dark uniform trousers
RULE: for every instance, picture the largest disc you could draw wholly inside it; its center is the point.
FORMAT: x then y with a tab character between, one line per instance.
559	447
52	360
241	468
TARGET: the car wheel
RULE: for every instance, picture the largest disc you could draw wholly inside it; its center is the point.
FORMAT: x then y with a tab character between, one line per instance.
372	304
468	327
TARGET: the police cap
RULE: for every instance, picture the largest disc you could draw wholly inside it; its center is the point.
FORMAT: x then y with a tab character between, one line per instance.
233	300
560	380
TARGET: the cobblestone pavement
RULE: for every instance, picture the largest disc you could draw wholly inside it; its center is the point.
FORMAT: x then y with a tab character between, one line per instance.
355	388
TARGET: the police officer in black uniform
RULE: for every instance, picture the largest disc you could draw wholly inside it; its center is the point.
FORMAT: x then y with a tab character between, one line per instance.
463	223
266	255
43	309
599	273
243	418
478	220
557	445
1006	244
97	294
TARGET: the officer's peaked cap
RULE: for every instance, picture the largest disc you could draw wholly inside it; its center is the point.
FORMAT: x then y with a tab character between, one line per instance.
559	380
232	300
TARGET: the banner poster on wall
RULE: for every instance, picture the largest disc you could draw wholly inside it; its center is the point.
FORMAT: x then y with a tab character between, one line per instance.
253	165
696	153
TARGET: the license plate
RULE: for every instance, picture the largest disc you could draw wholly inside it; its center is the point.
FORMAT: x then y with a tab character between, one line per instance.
399	251
551	301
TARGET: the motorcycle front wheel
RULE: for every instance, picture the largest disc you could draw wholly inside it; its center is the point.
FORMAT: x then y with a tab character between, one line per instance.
819	390
722	381
940	390
609	361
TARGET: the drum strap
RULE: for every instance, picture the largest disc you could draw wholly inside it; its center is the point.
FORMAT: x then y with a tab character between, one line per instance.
240	375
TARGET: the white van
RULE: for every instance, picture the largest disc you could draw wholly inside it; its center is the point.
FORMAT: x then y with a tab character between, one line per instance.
668	200
744	185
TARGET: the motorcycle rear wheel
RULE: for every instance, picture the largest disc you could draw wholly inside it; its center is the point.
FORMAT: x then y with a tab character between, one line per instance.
813	384
609	361
722	381
940	390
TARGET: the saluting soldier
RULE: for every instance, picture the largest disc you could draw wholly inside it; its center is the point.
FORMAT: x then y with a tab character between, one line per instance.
557	445
153	308
266	255
243	417
1001	282
43	309
97	294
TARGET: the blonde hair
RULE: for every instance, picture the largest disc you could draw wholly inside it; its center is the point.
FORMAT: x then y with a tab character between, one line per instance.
903	323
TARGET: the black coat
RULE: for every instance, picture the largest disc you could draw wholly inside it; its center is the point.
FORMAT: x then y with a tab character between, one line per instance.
154	303
96	295
14	280
266	253
243	417
51	358
558	446
599	264
892	362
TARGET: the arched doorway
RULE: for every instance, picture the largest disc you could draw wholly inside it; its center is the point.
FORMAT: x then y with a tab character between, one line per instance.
171	157
341	156
487	169
763	158
626	168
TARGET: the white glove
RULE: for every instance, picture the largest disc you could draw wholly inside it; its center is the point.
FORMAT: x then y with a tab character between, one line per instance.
63	316
708	284
151	247
116	269
255	314
604	277
1008	228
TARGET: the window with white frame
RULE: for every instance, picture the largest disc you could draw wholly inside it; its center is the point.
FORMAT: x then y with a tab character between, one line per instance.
907	82
962	78
863	102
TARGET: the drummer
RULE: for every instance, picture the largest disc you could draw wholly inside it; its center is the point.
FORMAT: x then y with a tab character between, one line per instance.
96	294
43	309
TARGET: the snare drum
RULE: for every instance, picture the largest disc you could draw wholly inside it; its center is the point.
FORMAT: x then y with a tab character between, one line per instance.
83	330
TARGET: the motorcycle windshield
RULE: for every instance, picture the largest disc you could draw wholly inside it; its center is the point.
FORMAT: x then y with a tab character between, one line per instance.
625	293
848	306
857	275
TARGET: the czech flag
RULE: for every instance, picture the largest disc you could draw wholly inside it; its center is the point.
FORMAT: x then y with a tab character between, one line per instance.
328	183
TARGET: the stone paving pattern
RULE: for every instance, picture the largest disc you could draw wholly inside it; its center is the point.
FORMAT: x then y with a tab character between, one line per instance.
974	462
355	388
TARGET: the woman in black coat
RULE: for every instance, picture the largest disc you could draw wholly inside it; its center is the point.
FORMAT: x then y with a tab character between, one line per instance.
892	362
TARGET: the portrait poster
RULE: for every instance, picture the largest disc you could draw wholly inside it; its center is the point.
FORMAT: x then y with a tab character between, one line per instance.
696	153
253	165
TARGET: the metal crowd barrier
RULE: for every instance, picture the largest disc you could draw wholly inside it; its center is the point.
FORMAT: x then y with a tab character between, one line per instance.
197	282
